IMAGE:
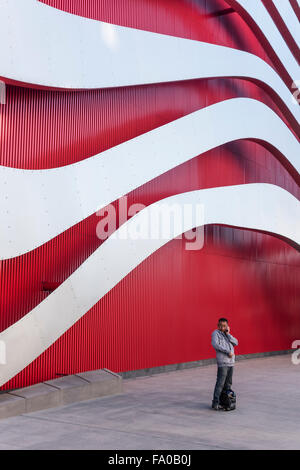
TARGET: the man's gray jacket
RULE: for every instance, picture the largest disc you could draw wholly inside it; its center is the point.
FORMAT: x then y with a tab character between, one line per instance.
224	344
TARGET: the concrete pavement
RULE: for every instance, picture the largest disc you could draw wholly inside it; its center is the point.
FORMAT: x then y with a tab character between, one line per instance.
172	411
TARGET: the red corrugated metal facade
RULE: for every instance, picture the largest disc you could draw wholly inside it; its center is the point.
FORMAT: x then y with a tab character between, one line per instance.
164	311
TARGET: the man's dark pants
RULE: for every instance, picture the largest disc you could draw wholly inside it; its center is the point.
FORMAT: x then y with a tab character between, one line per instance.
224	382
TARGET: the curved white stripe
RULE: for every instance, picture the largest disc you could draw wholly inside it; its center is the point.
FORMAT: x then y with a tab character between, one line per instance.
256	206
288	15
37	205
261	16
44	46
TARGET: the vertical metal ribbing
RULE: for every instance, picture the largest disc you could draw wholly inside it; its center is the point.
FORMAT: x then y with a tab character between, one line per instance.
46	129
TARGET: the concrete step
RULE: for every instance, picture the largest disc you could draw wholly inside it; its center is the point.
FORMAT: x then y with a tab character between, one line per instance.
62	391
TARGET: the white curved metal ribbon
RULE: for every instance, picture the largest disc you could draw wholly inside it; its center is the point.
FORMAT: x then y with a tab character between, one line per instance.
256	206
290	19
37	205
258	12
44	46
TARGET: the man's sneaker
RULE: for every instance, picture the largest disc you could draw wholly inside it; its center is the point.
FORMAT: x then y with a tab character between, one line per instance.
216	407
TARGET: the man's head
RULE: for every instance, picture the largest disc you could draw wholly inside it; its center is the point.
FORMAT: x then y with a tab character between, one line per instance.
223	324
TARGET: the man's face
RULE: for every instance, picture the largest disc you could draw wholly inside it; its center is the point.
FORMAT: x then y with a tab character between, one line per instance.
223	326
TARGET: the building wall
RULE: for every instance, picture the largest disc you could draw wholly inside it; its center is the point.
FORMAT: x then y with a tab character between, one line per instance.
163	311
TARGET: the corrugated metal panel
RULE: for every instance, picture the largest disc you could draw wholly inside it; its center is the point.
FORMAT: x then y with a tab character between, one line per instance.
164	310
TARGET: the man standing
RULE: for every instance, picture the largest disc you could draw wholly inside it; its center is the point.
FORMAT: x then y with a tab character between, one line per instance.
224	343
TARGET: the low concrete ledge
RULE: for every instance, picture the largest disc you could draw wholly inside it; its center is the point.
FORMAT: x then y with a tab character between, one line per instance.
133	374
37	397
87	385
62	391
11	405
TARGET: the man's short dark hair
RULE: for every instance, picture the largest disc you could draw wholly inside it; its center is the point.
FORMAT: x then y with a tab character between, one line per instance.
222	319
